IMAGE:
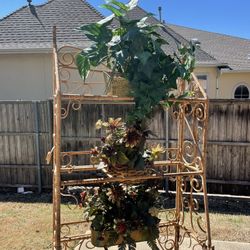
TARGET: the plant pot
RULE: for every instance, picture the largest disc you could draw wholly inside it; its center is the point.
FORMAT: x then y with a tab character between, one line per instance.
124	171
111	238
116	85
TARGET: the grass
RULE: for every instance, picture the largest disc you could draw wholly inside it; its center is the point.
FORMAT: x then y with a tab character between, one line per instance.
26	222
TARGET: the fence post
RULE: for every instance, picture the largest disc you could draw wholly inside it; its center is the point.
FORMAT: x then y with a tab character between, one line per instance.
166	114
37	134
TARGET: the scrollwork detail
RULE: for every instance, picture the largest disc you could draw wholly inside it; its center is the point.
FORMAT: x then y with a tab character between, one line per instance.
199	112
195	184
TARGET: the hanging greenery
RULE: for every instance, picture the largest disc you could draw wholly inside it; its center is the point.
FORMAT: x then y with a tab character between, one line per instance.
121	215
133	48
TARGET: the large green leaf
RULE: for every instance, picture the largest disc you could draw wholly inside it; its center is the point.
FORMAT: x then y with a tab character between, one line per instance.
97	54
120	4
114	10
93	28
97	32
134	48
143	57
82	62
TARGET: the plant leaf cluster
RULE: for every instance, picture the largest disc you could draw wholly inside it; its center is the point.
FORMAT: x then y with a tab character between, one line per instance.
124	146
133	48
122	210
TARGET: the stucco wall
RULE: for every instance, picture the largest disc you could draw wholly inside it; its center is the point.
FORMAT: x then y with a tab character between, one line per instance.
25	76
29	77
211	74
229	81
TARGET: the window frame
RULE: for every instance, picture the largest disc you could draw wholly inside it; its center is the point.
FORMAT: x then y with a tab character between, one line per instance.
238	85
204	74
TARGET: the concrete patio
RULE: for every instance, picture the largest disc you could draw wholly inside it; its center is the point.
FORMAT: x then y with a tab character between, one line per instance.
218	245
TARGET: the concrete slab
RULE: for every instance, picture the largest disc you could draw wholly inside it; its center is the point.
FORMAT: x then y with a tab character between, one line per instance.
218	245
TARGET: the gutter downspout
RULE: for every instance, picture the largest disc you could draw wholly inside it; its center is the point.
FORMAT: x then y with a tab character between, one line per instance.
217	82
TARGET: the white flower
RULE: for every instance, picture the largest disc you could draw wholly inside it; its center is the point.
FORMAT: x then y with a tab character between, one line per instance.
101	165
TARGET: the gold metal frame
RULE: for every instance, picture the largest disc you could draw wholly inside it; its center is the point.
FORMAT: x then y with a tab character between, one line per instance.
185	165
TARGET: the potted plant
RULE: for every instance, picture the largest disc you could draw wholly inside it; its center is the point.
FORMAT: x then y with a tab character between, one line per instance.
133	49
123	151
122	215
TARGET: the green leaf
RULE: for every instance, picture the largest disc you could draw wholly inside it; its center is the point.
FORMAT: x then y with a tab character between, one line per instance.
97	54
93	28
140	164
144	57
83	65
113	160
115	11
97	32
161	41
119	4
122	158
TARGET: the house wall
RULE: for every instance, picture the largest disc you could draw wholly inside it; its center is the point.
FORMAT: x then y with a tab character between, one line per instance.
25	76
29	77
229	81
211	73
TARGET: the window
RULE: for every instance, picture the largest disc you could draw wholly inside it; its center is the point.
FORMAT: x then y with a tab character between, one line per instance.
241	92
203	81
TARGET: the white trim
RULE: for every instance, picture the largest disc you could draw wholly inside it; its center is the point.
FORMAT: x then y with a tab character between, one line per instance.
208	65
26	51
241	84
235	71
45	48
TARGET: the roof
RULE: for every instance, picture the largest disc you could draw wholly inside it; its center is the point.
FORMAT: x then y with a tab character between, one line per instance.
30	27
174	39
233	50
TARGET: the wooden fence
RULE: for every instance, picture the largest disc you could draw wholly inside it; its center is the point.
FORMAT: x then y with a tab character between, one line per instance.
26	137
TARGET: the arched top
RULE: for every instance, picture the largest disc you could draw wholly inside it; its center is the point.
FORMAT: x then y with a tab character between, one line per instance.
241	91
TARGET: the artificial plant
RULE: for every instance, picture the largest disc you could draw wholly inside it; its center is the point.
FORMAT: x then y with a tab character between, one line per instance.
133	48
123	148
122	210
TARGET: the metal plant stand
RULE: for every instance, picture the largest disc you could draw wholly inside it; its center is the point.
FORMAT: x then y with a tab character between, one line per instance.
185	164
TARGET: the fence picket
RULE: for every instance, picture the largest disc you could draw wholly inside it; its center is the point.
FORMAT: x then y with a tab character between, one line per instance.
228	137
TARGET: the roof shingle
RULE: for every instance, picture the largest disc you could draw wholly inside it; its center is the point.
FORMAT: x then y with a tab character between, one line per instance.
174	39
229	49
31	26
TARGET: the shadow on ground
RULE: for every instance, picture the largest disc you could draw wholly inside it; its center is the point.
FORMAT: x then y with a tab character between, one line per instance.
224	206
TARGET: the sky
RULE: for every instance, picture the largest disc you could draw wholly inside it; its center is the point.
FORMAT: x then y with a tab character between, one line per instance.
229	17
